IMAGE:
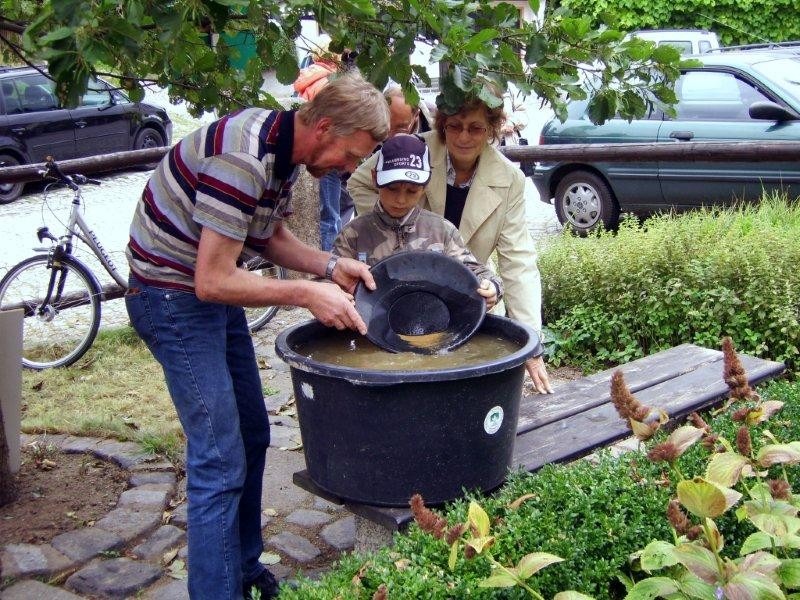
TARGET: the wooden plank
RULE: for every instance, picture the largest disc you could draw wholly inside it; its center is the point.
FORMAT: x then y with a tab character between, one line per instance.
586	393
582	433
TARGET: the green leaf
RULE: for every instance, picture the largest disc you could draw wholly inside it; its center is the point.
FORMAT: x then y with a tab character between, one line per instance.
789	573
657	555
752	585
57	34
702	498
478	519
536	49
759	562
500	579
726	468
652	587
534	4
477	41
480	543
451	561
756	541
286	69
438	52
535	561
694	587
571	595
699	560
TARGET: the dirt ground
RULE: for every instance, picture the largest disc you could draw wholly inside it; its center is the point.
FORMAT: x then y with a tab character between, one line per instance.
58	492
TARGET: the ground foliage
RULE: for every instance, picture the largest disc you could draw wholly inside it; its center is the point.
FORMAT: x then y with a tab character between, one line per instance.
696	277
734	21
150	41
594	515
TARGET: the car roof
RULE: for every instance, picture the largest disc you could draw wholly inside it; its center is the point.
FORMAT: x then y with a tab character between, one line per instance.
743	58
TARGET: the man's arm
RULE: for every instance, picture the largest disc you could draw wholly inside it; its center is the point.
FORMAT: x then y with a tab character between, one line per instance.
218	279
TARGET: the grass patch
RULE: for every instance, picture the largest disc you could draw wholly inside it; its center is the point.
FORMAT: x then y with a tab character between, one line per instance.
116	391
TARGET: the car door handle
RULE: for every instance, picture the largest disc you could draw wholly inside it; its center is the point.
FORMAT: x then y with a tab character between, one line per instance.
682	135
80	124
18	130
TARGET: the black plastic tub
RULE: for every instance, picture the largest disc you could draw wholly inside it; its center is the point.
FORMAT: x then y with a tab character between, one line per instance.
378	437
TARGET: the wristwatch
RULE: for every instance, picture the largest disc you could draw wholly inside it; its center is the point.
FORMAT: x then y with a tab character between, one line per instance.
331	266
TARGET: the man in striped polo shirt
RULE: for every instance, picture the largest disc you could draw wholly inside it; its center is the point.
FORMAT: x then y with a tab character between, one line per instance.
217	198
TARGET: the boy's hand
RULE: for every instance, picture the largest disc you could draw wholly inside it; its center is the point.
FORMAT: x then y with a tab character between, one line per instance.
349	271
489	293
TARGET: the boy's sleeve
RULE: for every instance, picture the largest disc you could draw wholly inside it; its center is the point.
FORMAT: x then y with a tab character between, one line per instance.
456	248
346	242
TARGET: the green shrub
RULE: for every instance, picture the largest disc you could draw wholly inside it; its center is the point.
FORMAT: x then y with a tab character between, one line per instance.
592	514
693	278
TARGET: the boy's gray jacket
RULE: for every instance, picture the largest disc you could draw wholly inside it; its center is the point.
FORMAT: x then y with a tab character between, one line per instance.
376	235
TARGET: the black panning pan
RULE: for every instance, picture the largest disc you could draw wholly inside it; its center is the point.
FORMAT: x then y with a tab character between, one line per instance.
425	302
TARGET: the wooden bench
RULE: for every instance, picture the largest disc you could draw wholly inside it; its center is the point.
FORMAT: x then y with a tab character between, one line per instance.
579	417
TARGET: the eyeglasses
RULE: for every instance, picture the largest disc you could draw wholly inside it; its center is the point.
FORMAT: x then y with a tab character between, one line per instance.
472	130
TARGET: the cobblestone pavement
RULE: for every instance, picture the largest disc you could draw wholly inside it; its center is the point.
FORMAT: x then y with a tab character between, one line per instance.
132	550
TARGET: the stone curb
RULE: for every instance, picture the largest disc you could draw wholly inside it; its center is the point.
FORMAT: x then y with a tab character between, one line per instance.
135	521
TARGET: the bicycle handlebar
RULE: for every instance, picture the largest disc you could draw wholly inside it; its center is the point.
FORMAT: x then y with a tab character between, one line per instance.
53	171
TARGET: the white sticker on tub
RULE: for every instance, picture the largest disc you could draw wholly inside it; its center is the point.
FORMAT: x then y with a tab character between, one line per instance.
307	390
493	420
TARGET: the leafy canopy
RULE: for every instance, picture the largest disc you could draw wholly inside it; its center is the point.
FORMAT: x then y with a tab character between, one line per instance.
484	44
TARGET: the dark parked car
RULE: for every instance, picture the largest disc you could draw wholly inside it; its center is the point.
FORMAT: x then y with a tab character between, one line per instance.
734	96
33	124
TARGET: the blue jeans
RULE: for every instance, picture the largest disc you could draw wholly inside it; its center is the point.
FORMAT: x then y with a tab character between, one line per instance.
211	372
330	223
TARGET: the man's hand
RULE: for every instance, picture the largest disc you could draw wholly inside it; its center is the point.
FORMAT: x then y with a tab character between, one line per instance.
349	271
489	293
334	307
538	373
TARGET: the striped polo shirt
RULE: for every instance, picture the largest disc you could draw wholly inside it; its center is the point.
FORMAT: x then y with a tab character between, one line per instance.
234	176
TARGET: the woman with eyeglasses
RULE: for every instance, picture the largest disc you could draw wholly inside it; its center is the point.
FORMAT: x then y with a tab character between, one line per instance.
481	192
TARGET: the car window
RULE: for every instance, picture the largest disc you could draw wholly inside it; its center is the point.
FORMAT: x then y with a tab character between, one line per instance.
714	96
784	72
11	99
683	46
97	94
703	46
36	93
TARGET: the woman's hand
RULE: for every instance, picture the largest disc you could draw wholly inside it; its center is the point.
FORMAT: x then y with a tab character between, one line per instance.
538	373
489	292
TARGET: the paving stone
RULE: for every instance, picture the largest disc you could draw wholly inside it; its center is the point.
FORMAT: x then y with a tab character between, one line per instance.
130	522
30	560
174	589
144	497
77	444
32	589
284	437
161	478
322	504
308	518
56	439
281	572
125	454
83	544
161	465
274	402
164	538
179	516
283	421
341	534
116	578
295	546
183	552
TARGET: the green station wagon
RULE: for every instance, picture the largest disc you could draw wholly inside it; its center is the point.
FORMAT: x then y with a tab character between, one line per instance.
735	95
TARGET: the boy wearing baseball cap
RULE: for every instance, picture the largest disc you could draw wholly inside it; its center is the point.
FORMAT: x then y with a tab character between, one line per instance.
398	223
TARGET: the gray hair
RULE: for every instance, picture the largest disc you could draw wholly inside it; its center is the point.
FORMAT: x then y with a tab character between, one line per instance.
352	104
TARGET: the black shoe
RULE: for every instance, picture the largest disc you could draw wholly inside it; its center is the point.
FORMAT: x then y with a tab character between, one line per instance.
264	583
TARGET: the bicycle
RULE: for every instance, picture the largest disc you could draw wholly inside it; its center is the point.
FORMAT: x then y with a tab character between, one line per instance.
60	295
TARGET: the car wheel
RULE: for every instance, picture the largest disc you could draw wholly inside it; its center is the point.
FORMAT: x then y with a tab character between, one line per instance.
584	200
148	138
9	191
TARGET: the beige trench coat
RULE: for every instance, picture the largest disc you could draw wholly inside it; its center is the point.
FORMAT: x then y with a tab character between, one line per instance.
493	219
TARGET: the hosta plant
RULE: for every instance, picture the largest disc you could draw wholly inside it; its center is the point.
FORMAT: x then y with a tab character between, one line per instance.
746	475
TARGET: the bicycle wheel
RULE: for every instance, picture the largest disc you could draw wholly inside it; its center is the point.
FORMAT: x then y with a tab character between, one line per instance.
257	317
58	332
